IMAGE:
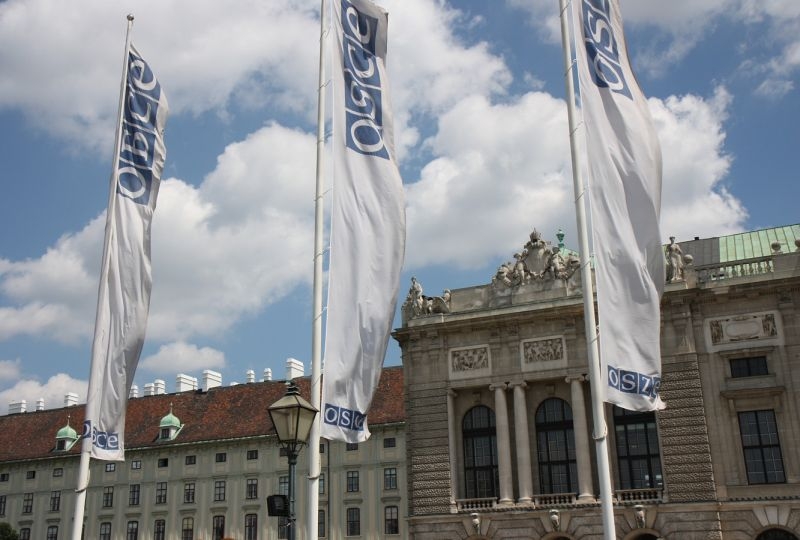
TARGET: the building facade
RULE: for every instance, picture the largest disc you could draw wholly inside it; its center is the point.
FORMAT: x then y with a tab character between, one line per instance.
199	466
499	425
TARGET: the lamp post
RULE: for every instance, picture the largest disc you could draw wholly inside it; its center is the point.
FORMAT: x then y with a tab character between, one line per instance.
292	417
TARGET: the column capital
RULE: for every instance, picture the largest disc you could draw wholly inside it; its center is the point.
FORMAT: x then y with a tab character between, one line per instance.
451	392
518	384
576	378
498	386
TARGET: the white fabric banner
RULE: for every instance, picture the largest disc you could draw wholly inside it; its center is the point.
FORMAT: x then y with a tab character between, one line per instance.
367	221
624	162
123	298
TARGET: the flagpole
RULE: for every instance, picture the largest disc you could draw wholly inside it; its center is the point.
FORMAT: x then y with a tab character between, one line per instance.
590	325
86	443
316	326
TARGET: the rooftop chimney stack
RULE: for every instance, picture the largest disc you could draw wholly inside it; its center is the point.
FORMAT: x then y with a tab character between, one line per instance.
251	376
70	399
17	407
294	368
40	404
267	374
185	383
160	387
149	389
211	379
134	391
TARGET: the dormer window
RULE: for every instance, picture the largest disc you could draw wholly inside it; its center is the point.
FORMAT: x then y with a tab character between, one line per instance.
66	438
169	427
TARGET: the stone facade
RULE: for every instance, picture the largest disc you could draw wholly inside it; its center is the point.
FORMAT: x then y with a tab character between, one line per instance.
517	345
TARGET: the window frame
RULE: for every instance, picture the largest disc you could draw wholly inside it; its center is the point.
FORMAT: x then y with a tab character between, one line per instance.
353	521
772	444
219	490
55	501
251	488
108	497
353	481
637	469
390	478
553	422
161	493
391	524
479	435
188	492
134	494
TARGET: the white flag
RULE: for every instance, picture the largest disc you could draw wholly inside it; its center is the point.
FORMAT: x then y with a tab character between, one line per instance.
123	297
367	221
625	194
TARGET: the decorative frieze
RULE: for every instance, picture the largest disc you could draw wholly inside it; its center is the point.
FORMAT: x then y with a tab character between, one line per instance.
734	331
469	362
543	353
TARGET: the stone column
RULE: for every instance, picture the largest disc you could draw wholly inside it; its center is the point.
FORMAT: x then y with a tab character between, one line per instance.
582	447
523	442
503	444
451	437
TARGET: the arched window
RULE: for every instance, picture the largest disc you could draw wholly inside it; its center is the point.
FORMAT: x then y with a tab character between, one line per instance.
638	458
480	453
556	447
776	534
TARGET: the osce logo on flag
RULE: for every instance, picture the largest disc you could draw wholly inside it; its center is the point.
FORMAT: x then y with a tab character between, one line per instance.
363	101
100	439
139	132
342	417
632	382
602	48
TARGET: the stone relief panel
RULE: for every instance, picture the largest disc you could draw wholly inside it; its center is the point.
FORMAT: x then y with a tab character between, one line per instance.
739	330
543	353
470	362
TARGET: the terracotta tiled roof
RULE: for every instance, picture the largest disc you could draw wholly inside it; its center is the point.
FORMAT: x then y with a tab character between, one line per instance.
228	412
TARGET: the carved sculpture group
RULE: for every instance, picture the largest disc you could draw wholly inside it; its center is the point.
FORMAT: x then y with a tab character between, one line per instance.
417	304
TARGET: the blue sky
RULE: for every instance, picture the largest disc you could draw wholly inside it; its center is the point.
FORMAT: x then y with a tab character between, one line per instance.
482	144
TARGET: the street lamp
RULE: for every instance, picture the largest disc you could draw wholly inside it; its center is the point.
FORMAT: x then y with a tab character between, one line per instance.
292	417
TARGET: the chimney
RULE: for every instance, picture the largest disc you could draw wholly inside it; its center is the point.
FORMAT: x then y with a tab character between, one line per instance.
134	391
17	407
251	376
160	387
149	389
40	404
211	379
185	383
294	368
70	399
267	374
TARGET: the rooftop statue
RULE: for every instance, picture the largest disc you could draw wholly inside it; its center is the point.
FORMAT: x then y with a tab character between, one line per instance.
538	260
674	255
417	304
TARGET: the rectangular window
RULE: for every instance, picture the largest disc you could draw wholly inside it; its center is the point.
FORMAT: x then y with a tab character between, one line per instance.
111	467
188	492
190	460
25	534
58	472
163	462
638	453
55	501
283	485
321	448
351	446
2	505
352	481
133	495
218	528
219	490
52	532
320	523
133	531
321	483
252	454
108	497
136	464
27	503
389	442
390	478
748	367
762	449
391	520
251	527
4	477
252	488
282	452
30	475
160	530
187	529
105	530
161	493
283	527
353	522
221	457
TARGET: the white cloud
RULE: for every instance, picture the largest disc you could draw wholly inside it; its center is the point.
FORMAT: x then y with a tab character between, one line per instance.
53	392
182	357
9	370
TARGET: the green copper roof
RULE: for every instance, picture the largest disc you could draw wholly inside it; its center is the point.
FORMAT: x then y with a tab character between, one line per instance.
170	420
752	244
67	432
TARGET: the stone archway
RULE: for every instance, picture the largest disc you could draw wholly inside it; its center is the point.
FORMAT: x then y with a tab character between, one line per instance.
776	534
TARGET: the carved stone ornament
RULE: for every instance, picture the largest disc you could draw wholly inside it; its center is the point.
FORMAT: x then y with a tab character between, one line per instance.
742	328
537	260
469	359
417	304
543	350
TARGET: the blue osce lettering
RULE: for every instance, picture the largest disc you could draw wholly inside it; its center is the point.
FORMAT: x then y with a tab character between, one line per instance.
632	382
363	101
343	417
138	145
100	439
602	47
